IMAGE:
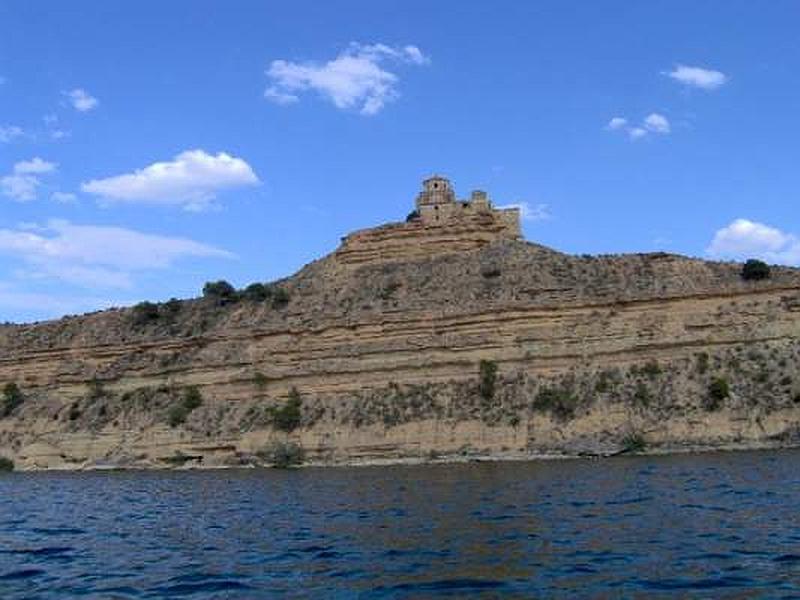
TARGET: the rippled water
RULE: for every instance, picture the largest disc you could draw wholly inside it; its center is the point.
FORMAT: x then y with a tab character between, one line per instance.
713	525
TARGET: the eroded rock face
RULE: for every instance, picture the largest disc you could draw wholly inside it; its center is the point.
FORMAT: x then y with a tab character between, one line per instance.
386	355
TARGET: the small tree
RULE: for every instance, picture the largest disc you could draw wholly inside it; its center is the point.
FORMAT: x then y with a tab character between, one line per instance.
283	455
178	413
718	392
633	442
280	297
488	376
12	398
172	307
287	417
220	291
561	403
6	464
192	398
145	312
256	292
412	216
755	270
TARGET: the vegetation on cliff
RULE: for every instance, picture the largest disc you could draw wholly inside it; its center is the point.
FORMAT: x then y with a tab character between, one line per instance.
11	399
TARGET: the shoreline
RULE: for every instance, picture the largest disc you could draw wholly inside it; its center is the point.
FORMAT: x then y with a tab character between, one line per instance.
455	459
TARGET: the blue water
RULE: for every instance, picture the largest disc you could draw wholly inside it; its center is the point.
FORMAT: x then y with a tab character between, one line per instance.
699	526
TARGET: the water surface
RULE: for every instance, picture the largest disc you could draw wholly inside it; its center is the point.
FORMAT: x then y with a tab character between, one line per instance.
703	526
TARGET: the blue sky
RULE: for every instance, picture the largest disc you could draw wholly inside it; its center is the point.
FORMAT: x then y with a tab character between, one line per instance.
146	147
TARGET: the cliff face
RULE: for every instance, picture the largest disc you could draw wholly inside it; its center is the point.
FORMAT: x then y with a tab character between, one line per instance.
590	353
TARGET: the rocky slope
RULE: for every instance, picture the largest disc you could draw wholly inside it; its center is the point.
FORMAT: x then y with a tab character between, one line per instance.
508	350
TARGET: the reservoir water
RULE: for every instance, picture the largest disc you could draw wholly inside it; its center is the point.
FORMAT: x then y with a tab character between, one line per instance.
720	525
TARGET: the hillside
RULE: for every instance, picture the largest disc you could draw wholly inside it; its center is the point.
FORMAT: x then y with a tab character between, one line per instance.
503	349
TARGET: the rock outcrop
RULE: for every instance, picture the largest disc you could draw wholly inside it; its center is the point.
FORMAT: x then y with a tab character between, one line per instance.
478	344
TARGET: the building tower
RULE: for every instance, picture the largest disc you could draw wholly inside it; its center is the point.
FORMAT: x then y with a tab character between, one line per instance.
435	201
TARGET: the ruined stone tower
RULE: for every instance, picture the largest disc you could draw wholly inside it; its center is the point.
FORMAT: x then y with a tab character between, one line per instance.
440	224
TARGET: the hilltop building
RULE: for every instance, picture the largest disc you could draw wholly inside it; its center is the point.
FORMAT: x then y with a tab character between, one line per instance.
439	224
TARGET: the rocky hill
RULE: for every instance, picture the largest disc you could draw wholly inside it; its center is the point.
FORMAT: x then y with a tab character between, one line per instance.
502	349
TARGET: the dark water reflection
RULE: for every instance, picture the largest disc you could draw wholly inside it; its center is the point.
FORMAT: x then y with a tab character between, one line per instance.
712	526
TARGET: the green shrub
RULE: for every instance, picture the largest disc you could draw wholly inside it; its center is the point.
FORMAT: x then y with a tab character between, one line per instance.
604	382
280	297
171	308
651	369
178	413
145	312
260	380
192	398
12	398
488	379
256	292
287	417
755	270
6	464
220	292
559	402
633	442
718	392
412	216
283	455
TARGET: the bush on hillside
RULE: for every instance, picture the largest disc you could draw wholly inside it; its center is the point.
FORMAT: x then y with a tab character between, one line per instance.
280	297
11	399
559	402
633	442
287	417
220	291
488	379
718	392
178	413
145	312
283	455
755	270
256	292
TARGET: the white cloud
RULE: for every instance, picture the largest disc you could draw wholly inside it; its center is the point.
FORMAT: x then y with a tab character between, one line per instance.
529	212
617	123
637	132
35	166
354	79
191	180
81	100
652	123
705	79
23	182
657	123
748	239
9	133
95	256
63	197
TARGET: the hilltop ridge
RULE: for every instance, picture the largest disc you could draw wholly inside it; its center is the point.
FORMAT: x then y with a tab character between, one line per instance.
444	336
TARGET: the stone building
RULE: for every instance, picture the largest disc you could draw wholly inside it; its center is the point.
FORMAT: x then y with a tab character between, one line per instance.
440	223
